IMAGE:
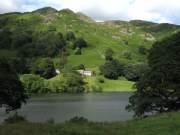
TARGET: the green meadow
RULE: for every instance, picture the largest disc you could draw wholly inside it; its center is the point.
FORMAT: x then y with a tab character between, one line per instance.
120	85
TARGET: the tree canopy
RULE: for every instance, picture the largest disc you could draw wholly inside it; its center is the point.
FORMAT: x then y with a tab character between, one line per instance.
112	69
33	83
11	89
44	68
159	89
72	83
108	54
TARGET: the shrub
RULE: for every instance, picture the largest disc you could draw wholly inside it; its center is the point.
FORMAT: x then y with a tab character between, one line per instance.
50	121
101	80
142	49
15	119
127	55
78	120
94	89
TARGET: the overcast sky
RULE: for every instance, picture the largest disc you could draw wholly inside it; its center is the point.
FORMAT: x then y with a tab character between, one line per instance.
159	11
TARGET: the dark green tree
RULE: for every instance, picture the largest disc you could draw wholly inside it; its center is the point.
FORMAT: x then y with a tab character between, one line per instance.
21	39
79	42
5	39
81	67
72	83
159	89
59	41
33	83
142	49
69	36
134	72
11	89
62	62
112	69
108	54
127	55
44	68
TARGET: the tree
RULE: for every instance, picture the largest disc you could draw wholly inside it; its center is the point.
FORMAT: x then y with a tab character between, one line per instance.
77	51
69	36
81	67
33	83
112	69
79	42
72	83
11	89
59	41
142	49
62	62
21	39
134	72
5	39
44	68
158	90
108	54
127	55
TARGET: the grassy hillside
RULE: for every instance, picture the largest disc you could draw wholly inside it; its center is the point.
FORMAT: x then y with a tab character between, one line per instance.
121	36
98	35
164	124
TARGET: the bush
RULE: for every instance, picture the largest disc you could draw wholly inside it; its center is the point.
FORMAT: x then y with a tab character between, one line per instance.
135	72
94	89
50	121
142	49
127	55
101	80
15	119
78	120
33	83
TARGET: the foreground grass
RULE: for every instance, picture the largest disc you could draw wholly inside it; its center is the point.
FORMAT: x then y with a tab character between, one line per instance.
164	124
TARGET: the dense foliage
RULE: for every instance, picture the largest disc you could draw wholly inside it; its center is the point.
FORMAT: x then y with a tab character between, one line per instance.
158	90
44	68
33	83
134	72
142	49
108	54
46	44
15	119
112	69
11	89
72	83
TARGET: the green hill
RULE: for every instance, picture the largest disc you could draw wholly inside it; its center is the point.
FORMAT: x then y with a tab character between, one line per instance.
98	35
38	34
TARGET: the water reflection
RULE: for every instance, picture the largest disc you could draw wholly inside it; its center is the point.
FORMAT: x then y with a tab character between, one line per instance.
61	107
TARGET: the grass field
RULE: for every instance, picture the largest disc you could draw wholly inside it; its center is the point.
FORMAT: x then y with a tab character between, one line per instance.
162	124
119	85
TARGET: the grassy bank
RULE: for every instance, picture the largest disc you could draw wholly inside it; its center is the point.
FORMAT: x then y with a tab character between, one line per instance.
164	124
120	85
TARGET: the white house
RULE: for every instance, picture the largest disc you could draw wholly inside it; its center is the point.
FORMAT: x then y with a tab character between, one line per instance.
57	71
87	73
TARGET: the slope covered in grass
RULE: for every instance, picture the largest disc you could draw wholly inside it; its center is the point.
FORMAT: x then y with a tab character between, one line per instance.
119	35
163	124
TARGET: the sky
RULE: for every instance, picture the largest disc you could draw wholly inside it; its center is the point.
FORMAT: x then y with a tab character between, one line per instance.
158	11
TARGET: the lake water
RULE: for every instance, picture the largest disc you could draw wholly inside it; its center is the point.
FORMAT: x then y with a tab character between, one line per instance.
97	107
